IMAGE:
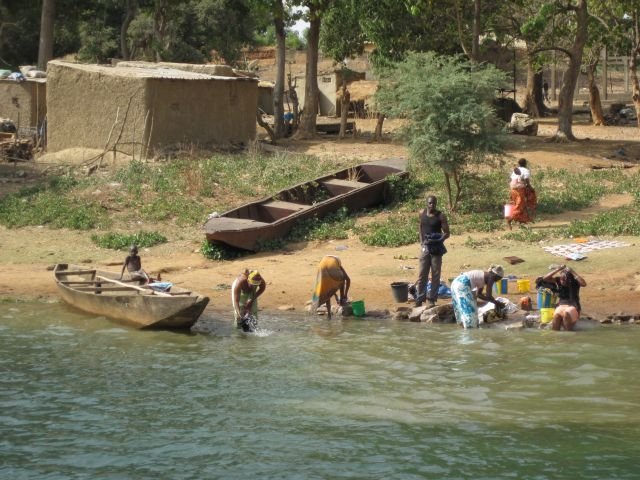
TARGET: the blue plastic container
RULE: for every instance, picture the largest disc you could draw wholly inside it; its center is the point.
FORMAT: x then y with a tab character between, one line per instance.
501	287
545	298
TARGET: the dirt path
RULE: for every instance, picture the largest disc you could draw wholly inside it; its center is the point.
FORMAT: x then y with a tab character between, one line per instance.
612	275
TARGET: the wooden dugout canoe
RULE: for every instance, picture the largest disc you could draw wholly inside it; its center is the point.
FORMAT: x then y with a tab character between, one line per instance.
99	292
271	218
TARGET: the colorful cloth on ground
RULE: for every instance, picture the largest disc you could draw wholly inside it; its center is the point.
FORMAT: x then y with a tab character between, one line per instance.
576	251
524	202
244	298
465	306
328	281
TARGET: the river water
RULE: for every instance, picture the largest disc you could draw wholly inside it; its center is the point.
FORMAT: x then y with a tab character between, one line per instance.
84	398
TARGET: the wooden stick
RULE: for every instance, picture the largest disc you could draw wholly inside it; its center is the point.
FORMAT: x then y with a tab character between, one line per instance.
135	287
74	272
97	288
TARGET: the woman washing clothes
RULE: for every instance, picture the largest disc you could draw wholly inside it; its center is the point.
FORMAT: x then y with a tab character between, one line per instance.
331	279
568	284
469	285
522	195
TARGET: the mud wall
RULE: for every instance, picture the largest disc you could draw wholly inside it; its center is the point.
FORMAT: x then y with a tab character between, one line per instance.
147	110
204	112
85	105
24	102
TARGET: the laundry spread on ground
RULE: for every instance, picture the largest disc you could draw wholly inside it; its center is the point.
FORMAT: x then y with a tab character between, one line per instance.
577	251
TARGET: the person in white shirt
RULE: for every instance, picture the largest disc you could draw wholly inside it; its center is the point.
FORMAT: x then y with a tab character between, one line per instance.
522	195
467	286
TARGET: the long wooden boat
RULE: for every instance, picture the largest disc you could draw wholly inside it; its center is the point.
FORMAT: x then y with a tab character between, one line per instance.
273	217
101	293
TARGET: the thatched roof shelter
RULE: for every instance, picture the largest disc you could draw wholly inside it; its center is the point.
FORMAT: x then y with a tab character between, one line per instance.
361	90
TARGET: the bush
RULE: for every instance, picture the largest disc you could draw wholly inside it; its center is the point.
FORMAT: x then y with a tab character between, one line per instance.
120	241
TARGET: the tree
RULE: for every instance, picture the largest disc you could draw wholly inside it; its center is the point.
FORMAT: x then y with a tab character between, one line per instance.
316	8
450	121
570	78
278	89
45	50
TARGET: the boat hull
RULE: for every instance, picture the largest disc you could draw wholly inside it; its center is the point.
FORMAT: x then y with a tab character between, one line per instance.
272	218
140	310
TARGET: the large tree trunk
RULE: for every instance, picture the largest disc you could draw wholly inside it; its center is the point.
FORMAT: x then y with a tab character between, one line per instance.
293	96
310	109
278	89
533	101
597	117
345	101
129	15
475	41
159	29
45	49
570	77
633	71
377	135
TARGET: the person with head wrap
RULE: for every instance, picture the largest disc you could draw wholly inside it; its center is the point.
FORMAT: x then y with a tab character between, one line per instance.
133	265
245	290
331	279
568	284
522	195
469	285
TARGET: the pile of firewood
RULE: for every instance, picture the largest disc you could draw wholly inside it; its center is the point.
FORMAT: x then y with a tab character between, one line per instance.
14	149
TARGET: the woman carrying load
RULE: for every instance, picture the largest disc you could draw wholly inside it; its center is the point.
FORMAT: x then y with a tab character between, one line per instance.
522	195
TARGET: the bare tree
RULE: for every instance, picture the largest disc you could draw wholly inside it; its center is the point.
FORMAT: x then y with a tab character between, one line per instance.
45	50
310	110
278	90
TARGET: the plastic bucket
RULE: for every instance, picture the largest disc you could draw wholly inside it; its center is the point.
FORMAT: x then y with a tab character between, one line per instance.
508	210
501	287
546	315
545	297
400	291
523	285
358	308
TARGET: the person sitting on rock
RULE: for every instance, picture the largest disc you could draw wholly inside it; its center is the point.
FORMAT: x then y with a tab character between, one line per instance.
568	283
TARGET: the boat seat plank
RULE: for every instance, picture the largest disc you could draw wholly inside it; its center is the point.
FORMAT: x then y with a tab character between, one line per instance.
135	287
344	183
80	282
96	288
74	272
286	205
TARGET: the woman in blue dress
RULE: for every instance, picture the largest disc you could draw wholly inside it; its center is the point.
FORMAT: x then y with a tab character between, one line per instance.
469	285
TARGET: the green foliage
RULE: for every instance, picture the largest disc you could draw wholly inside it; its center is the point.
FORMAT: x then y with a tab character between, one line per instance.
122	241
335	226
50	204
620	221
404	189
477	244
561	190
341	35
214	251
530	235
99	42
448	105
394	231
184	210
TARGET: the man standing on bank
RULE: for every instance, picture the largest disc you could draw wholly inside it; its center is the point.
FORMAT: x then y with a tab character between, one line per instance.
434	230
